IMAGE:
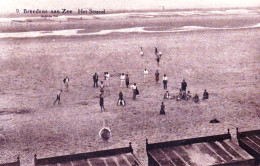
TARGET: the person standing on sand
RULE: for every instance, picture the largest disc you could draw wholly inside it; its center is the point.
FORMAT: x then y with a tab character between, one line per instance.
158	60
142	53
102	87
145	75
205	95
95	79
162	111
101	103
122	80
134	88
58	97
121	101
127	80
107	79
159	54
66	82
165	81
157	74
183	85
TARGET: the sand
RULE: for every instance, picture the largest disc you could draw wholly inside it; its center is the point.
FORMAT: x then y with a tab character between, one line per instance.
225	62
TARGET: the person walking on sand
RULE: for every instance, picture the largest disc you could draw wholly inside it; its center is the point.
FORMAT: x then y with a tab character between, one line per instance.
127	80
165	81
101	103
162	111
183	85
145	75
155	51
95	79
58	97
157	74
122	80
66	82
142	53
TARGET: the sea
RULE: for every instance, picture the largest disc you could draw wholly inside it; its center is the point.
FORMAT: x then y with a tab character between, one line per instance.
138	29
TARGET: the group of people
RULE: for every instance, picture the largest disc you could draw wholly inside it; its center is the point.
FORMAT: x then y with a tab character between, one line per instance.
183	95
66	83
125	82
157	53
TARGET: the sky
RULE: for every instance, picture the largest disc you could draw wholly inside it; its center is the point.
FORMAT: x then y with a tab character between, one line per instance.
12	5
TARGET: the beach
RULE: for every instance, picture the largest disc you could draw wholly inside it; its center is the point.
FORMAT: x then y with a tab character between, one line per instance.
218	53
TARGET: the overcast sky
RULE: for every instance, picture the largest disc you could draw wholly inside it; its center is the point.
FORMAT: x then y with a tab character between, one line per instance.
11	5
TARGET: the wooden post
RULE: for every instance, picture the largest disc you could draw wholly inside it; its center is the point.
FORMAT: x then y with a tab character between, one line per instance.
130	146
35	159
146	144
18	160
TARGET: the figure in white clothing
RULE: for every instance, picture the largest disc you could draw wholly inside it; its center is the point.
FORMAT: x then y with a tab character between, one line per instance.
145	75
165	81
122	80
66	82
107	79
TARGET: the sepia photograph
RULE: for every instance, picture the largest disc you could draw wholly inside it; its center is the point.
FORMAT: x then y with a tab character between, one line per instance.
130	83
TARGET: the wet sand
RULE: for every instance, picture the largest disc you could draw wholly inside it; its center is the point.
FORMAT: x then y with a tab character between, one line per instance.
225	62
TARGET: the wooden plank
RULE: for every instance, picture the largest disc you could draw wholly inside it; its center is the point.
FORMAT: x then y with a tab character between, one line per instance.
160	157
251	144
130	158
205	149
80	163
121	160
238	149
182	151
220	151
110	161
231	151
174	158
65	164
97	162
255	139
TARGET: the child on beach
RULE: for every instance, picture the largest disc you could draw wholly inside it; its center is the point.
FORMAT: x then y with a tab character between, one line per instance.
196	98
